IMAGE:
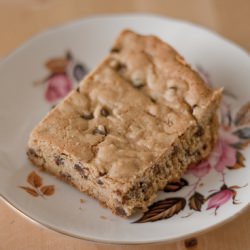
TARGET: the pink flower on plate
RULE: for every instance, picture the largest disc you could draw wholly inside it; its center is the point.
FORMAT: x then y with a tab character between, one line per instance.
223	154
219	198
58	87
200	170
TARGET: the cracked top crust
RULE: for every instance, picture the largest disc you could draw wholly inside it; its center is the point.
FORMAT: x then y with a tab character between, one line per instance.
162	72
130	110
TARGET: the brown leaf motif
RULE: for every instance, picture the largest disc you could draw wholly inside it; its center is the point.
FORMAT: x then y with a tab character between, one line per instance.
30	191
239	161
163	209
196	201
175	186
48	190
34	179
243	115
36	182
57	65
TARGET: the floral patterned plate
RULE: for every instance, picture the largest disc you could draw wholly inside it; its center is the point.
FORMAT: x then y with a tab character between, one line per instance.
42	71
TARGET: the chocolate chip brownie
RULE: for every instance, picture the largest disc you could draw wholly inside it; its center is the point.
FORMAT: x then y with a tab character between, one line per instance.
134	123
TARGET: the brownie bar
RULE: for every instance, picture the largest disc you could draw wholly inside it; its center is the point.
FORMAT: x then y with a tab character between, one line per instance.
136	122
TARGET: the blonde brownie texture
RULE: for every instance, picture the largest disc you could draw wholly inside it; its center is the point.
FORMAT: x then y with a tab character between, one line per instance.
134	123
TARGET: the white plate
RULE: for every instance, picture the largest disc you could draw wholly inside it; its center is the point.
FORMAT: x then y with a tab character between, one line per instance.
26	96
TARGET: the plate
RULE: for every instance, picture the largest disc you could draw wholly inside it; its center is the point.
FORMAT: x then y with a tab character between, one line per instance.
43	70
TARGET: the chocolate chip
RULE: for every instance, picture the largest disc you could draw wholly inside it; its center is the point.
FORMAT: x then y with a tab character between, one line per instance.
204	147
173	87
100	129
114	64
199	132
104	112
102	173
197	153
32	152
122	68
99	182
59	160
78	168
84	172
120	211
78	89
66	176
118	66
192	242
115	50
152	100
87	115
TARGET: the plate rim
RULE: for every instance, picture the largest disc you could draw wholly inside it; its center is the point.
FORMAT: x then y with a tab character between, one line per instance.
122	243
90	17
67	25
